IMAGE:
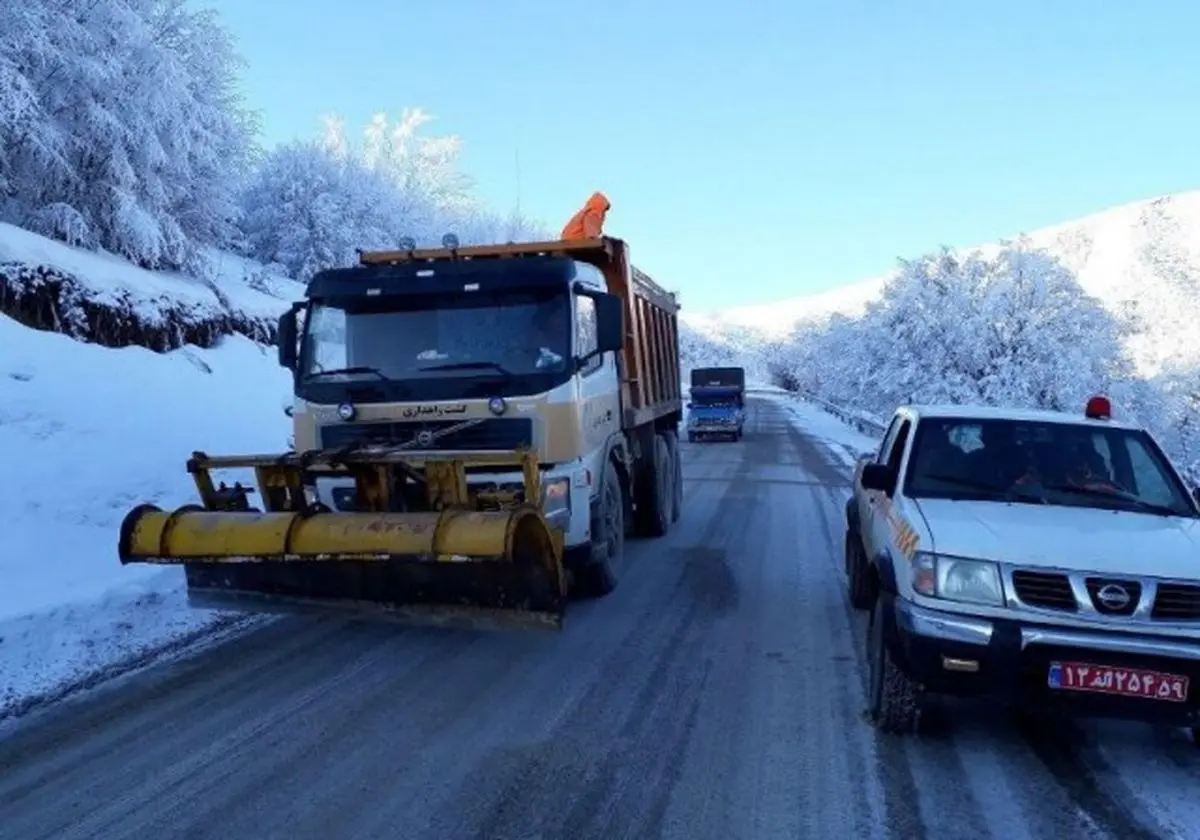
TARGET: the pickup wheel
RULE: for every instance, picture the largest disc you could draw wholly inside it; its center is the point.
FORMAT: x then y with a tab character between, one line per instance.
858	574
894	702
599	576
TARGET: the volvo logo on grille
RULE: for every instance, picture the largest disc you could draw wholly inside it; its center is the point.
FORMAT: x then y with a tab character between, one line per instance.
1114	596
424	438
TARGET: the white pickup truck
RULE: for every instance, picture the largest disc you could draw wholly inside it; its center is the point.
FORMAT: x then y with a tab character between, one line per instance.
1047	558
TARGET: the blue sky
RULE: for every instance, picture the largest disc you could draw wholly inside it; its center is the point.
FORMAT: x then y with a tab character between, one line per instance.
785	149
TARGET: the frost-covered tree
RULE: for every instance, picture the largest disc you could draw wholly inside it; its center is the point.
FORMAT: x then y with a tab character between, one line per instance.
306	210
121	126
1013	329
312	204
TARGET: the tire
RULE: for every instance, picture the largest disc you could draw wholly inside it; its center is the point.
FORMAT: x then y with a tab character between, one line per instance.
676	494
858	575
598	577
653	517
894	702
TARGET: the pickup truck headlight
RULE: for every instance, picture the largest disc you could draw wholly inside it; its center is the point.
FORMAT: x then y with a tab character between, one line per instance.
957	579
556	496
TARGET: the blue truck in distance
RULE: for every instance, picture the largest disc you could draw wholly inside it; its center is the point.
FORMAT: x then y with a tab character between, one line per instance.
717	403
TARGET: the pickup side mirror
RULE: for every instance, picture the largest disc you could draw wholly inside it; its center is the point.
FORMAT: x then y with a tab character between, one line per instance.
878	477
610	323
287	338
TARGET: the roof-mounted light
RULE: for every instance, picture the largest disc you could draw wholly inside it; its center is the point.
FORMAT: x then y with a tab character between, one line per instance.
450	242
407	243
1098	408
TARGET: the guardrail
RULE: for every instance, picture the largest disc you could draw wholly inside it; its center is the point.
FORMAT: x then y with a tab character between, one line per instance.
863	421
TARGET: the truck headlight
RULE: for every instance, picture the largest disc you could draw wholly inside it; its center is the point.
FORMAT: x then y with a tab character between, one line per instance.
556	497
957	579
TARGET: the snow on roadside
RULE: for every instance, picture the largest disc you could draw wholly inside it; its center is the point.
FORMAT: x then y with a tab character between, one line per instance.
846	443
90	432
110	277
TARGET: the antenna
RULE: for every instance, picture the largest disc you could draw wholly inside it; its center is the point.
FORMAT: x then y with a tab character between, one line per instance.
517	161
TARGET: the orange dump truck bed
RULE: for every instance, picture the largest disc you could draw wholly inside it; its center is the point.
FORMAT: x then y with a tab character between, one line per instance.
650	374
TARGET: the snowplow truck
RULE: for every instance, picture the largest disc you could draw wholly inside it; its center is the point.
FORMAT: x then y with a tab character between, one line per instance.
476	432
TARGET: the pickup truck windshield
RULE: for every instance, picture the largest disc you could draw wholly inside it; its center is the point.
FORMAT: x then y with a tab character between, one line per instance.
1042	463
405	338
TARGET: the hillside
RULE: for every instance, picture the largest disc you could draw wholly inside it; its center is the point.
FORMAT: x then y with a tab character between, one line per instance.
1140	259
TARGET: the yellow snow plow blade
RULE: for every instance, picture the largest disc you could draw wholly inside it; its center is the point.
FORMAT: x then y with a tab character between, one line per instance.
484	556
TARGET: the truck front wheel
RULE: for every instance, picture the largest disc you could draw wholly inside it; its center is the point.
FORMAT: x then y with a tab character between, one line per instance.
599	576
894	702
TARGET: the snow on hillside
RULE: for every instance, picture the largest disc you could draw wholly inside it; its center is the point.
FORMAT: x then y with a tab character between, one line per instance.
93	431
1140	259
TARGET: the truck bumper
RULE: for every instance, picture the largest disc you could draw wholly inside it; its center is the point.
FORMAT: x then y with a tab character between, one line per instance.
1012	660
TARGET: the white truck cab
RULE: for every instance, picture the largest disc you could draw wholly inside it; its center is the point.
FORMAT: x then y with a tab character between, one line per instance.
1045	557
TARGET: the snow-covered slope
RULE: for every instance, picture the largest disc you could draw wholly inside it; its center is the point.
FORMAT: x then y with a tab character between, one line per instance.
89	431
1140	259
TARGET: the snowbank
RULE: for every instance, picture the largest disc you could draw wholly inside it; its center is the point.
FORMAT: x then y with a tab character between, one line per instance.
106	300
90	430
846	443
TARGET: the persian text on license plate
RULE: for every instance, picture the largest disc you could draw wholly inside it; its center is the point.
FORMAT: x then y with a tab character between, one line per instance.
1123	682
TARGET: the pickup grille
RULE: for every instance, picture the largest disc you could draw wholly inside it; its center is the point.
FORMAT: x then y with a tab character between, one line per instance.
493	433
1048	590
1132	588
1177	602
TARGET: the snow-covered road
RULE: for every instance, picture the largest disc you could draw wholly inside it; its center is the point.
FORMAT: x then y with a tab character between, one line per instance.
717	693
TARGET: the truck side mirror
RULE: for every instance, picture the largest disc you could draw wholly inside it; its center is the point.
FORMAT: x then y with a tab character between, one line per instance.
878	477
610	323
287	338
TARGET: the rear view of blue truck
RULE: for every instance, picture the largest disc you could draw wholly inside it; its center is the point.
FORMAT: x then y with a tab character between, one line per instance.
717	404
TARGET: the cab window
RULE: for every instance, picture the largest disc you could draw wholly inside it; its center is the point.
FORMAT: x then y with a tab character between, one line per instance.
1044	463
586	339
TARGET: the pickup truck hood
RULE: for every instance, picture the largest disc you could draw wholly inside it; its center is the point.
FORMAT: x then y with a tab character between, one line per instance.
1081	539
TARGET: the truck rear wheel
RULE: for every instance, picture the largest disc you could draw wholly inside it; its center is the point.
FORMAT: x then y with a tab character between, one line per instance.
653	514
599	576
676	494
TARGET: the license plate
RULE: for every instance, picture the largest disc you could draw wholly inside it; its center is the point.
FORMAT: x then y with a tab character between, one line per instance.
1123	682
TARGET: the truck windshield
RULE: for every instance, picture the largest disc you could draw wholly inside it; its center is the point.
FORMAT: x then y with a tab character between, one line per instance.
419	337
1065	464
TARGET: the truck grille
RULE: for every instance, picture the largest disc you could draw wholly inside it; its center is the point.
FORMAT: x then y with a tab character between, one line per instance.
1048	590
493	433
1110	586
1177	602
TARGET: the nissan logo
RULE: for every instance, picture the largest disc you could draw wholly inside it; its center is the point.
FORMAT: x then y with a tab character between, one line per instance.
425	438
1114	596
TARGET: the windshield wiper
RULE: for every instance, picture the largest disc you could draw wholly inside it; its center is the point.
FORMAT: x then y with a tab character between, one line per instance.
988	487
496	366
376	371
1116	496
